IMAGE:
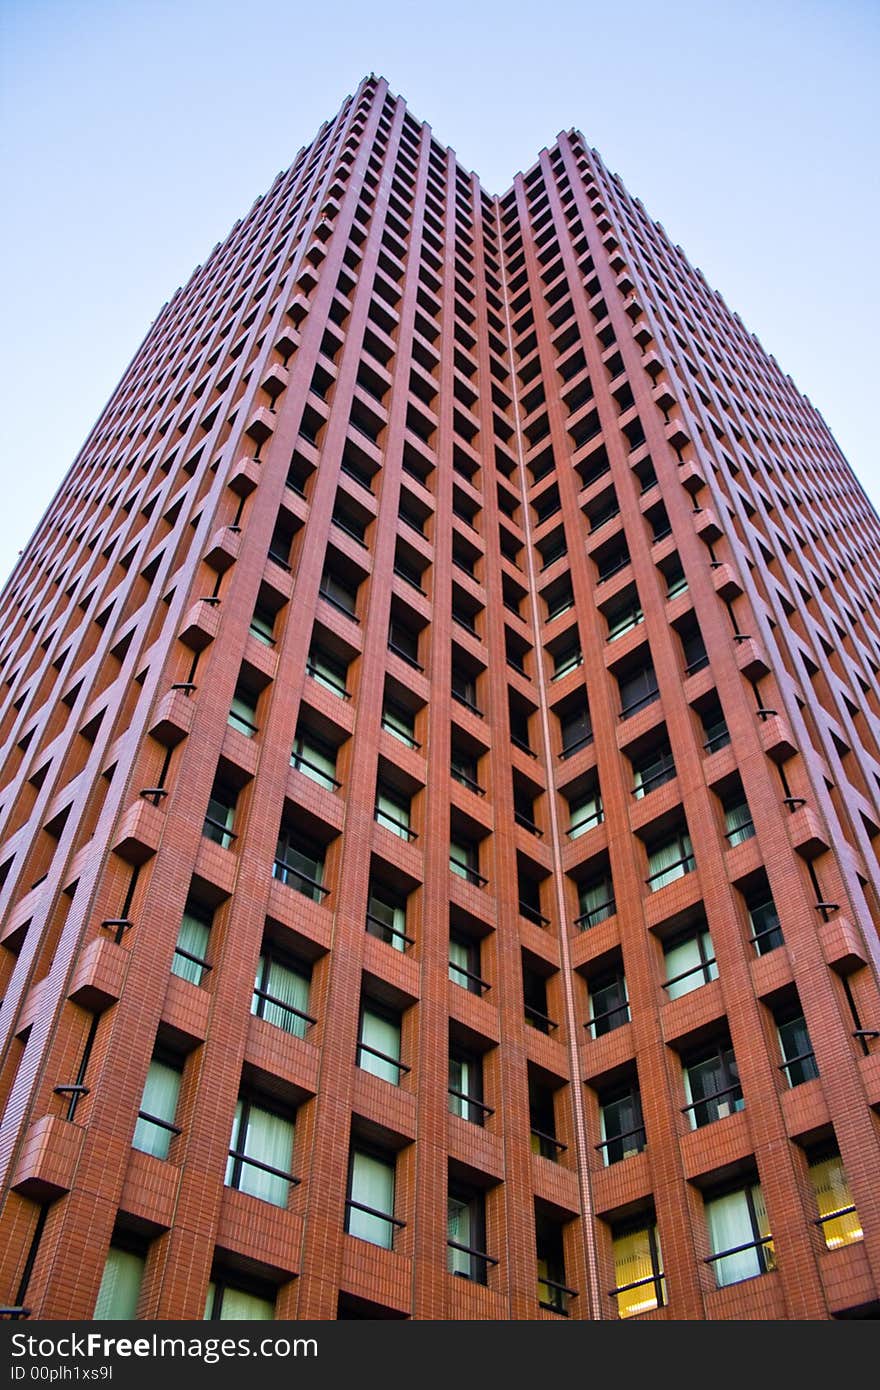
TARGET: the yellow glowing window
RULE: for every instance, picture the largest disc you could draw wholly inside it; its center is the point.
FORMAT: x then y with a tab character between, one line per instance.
638	1272
838	1218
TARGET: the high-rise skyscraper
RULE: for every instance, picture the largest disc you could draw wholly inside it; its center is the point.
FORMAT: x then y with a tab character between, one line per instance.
440	792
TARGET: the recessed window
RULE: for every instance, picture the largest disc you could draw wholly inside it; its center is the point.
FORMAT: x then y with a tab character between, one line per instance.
155	1127
464	963
609	1002
400	722
625	614
838	1219
585	812
553	1293
189	960
393	812
652	768
690	962
281	993
378	1049
328	671
637	689
621	1124
220	816
567	658
315	759
243	711
766	932
299	863
798	1061
464	860
227	1302
120	1285
739	1235
466	1086
576	730
711	1083
738	824
671	858
386	916
717	734
596	901
542	1121
464	689
466	1235
260	1150
640	1284
262	625
403	641
370	1202
464	768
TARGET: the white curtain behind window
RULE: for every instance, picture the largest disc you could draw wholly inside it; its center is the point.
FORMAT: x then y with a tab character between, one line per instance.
160	1099
291	987
120	1285
738	824
383	1034
665	861
730	1226
193	937
686	956
236	1305
586	812
372	1184
269	1139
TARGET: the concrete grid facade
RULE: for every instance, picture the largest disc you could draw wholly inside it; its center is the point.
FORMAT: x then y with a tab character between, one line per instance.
563	911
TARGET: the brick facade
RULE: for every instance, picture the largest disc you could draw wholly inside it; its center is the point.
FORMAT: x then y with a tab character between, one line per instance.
492	512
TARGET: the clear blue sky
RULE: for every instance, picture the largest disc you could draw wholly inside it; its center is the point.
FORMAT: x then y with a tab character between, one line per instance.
135	132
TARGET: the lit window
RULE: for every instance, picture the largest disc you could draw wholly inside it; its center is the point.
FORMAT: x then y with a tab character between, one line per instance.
638	1272
838	1219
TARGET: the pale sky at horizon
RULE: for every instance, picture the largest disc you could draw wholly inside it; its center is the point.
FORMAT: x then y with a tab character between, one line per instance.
135	134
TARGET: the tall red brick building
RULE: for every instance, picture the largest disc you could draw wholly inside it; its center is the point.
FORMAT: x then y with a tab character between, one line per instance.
440	785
